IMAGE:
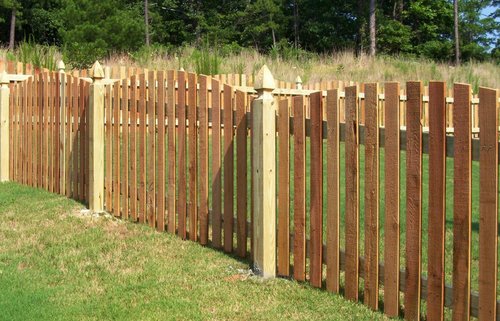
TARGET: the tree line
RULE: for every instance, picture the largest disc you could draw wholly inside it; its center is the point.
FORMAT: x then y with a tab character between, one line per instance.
417	28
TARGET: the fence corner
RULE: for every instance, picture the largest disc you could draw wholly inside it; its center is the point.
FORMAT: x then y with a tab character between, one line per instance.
96	140
4	127
264	175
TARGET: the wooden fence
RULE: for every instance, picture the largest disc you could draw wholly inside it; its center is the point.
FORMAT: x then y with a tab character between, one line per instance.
181	153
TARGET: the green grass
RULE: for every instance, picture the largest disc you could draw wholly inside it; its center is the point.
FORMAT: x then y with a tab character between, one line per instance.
56	264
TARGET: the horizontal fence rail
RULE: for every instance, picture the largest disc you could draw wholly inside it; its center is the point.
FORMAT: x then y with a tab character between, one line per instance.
395	187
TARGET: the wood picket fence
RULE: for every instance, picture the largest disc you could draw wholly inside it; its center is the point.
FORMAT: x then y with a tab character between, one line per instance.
177	156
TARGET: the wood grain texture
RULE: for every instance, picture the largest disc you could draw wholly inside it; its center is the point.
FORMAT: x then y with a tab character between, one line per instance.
108	109
151	151
160	213
241	173
391	186
39	124
29	133
372	182
46	114
192	157
284	189
181	105
413	199
142	148
352	194
216	166
316	190
125	140
462	214
133	148
116	150
83	146
299	202
437	192
488	202
55	137
228	169
333	193
203	159
74	140
171	158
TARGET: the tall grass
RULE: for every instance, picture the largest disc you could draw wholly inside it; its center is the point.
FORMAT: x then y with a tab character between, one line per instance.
285	63
29	52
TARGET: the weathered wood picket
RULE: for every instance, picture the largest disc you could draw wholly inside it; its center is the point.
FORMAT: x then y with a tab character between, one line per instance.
184	153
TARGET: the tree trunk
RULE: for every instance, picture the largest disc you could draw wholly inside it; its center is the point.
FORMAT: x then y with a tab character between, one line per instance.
296	22
146	20
12	29
372	29
457	37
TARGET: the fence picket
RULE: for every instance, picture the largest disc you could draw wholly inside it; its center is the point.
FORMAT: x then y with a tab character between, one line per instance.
133	148
241	172
352	193
333	188
116	149
216	166
181	105
151	150
488	202
284	189
462	215
142	148
109	148
228	169
125	125
316	190
391	227
299	186
203	158
437	212
171	151
161	152
192	157
413	199
371	195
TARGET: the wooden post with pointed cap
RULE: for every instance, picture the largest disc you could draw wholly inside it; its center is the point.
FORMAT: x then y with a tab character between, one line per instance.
96	140
264	175
4	127
298	83
62	136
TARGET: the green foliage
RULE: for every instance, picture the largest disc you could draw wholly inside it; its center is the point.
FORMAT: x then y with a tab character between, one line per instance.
394	37
29	52
83	55
90	29
207	61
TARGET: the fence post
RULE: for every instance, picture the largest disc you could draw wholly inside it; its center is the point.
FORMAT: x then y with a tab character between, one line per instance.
4	127
96	140
264	175
298	83
62	136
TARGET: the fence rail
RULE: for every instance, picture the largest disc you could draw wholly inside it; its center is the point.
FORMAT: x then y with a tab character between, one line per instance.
347	187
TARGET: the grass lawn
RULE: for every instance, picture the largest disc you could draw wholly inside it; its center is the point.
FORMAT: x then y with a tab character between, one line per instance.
56	264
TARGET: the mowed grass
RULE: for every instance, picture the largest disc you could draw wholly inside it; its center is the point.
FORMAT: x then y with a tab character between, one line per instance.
449	199
56	264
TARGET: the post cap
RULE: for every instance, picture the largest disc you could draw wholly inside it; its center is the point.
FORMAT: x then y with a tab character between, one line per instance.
181	69
97	72
298	80
264	79
4	80
61	66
